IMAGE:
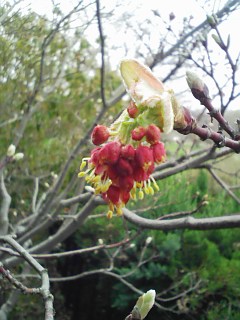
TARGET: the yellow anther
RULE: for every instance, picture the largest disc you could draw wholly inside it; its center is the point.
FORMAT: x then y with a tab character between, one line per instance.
81	174
133	194
96	179
151	191
145	187
105	188
140	194
83	165
139	184
109	214
111	206
146	190
155	183
98	190
156	186
119	211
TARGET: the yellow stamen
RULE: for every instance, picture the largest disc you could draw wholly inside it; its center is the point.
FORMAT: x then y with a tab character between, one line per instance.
139	184
133	194
155	183
81	174
140	194
151	191
83	165
119	211
145	188
96	179
111	206
97	190
105	187
109	214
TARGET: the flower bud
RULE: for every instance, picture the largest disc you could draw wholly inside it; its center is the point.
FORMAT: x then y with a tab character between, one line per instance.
100	135
138	133
11	150
197	86
172	16
18	156
100	241
218	41
187	117
212	20
149	240
152	134
132	110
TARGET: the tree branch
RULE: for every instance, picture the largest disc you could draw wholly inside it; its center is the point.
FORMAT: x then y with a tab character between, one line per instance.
191	223
4	209
44	290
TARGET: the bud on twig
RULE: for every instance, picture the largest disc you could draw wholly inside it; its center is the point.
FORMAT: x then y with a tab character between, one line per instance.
18	156
100	242
11	150
197	86
145	303
149	240
212	20
100	135
218	41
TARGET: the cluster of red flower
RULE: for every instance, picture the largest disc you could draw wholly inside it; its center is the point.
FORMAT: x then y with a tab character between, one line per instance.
118	171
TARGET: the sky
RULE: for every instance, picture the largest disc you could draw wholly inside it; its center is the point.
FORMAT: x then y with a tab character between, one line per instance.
136	14
141	10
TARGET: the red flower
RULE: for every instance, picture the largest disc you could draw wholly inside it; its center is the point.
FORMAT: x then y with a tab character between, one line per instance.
128	152
109	153
117	170
144	159
152	134
132	110
124	167
113	194
159	153
100	135
95	156
138	133
126	184
125	196
140	175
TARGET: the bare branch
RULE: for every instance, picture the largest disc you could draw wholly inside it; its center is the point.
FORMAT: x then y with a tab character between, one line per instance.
5	204
228	221
44	290
102	70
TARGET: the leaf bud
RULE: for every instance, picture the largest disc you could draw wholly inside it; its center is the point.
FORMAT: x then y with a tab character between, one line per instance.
11	150
18	156
197	86
218	41
212	20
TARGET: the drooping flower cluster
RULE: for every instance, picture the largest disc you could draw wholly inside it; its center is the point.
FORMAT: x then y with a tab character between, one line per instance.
121	165
121	171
